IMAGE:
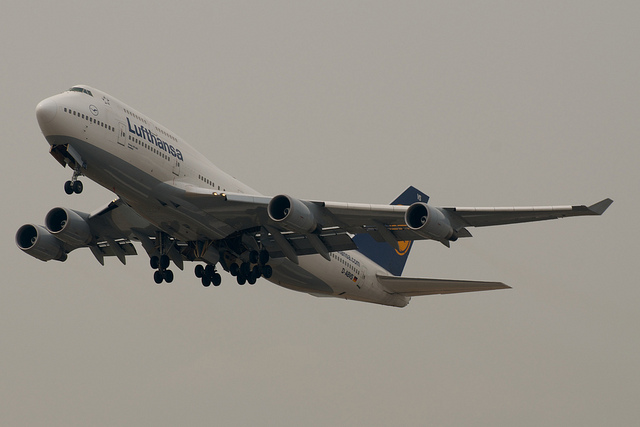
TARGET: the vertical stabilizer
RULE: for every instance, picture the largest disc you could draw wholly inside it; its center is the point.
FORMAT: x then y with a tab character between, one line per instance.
391	259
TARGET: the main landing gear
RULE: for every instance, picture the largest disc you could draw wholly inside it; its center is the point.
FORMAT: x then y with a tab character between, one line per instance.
208	275
161	265
250	271
246	272
73	186
247	266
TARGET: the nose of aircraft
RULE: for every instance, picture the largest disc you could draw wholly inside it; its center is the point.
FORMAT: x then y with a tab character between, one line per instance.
46	111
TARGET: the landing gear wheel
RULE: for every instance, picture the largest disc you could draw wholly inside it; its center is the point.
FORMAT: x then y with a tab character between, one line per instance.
77	187
154	261
68	187
252	278
168	276
209	270
199	271
158	277
263	257
234	269
241	279
245	269
216	279
253	257
267	271
206	281
164	261
257	271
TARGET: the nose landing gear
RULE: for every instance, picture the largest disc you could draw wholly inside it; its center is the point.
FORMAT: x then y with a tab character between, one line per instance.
73	185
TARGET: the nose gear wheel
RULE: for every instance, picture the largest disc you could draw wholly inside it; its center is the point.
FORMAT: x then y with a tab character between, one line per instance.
73	185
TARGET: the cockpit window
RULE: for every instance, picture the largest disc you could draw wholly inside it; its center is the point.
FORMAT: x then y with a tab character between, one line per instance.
79	89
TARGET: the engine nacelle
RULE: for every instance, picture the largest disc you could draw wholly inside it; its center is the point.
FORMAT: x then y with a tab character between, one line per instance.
429	222
39	243
68	226
292	214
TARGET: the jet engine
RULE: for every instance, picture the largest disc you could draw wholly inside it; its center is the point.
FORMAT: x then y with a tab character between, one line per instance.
292	214
39	243
68	226
429	222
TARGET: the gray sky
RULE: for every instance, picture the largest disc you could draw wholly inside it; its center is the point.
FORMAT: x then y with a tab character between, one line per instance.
476	103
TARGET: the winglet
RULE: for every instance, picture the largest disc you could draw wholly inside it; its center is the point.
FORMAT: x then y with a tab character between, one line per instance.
600	207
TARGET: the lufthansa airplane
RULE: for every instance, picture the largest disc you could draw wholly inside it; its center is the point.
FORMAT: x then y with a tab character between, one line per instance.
180	207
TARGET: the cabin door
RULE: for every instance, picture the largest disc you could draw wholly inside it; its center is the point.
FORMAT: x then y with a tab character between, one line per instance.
176	167
122	134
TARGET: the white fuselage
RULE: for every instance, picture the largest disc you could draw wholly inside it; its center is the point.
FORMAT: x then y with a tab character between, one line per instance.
140	160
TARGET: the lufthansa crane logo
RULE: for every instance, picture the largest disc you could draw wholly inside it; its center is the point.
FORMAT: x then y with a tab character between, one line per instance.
93	109
403	247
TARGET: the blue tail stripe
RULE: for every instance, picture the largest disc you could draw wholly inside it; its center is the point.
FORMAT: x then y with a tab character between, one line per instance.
382	253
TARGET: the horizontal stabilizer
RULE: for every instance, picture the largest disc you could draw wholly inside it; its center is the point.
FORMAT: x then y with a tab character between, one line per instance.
413	286
601	206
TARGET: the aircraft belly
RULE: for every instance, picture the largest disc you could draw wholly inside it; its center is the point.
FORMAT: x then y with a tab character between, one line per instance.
292	276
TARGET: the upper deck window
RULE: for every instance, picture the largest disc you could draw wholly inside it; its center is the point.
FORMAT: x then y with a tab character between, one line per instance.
82	90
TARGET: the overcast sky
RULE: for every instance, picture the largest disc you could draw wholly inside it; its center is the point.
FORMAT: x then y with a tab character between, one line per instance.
476	103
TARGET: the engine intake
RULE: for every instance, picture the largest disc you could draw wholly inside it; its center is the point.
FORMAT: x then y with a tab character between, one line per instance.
39	243
429	222
68	226
292	214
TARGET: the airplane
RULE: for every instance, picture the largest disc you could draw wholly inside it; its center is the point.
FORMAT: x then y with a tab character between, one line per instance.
181	207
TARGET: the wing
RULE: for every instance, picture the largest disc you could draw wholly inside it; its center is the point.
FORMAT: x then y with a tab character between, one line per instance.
193	218
409	286
113	227
482	217
292	227
106	232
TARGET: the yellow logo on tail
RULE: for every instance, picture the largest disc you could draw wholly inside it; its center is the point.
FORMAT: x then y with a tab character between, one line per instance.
404	247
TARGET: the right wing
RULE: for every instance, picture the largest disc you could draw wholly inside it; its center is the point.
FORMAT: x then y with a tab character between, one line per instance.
412	286
106	232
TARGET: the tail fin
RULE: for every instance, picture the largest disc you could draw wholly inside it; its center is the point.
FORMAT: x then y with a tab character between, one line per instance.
381	253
